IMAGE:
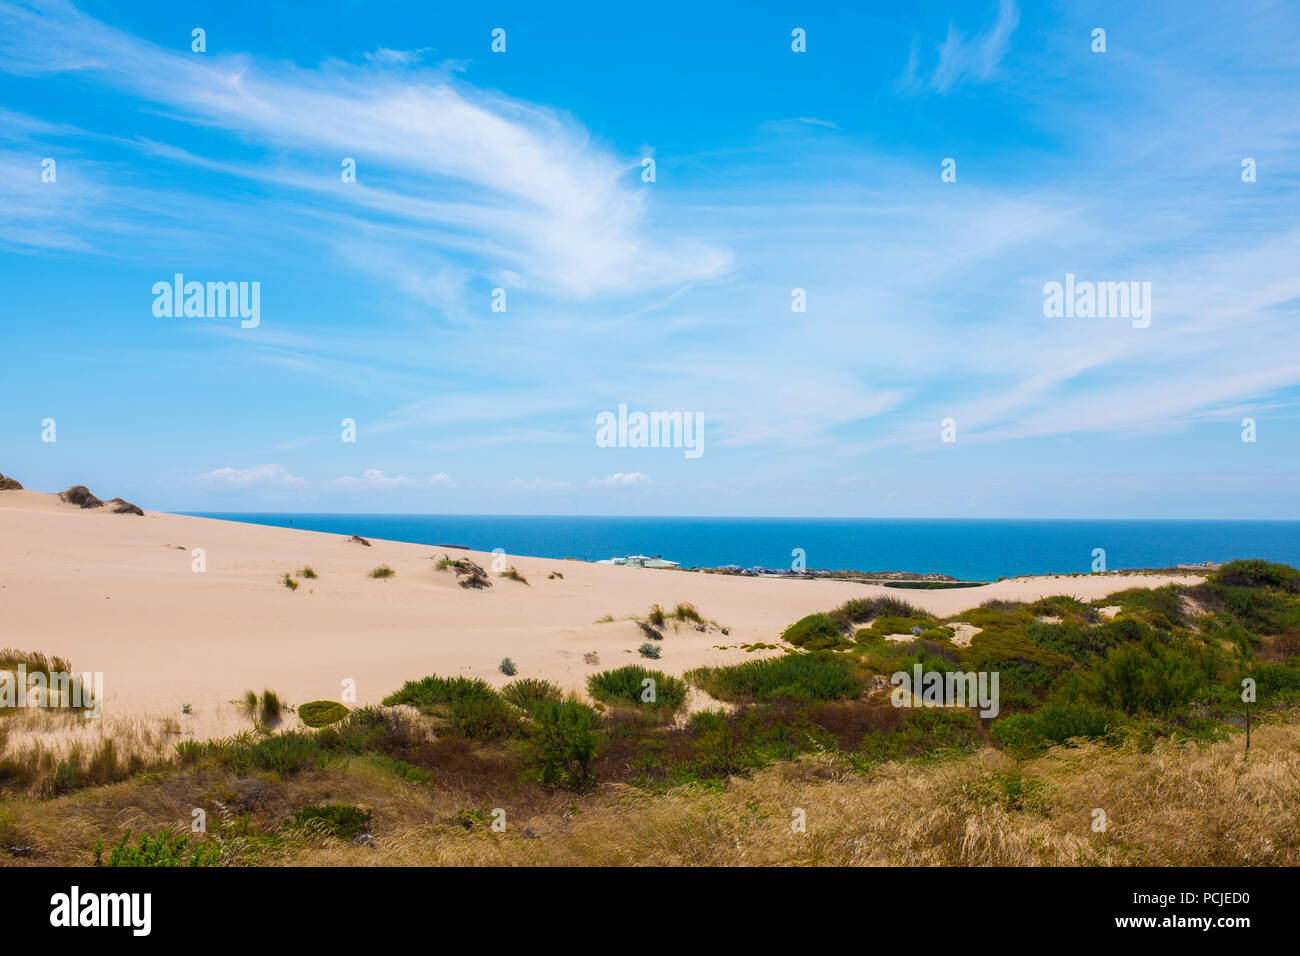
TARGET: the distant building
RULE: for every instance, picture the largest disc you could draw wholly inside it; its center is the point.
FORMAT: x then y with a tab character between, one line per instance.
641	561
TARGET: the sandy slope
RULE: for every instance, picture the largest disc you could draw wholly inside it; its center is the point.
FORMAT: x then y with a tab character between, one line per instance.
116	593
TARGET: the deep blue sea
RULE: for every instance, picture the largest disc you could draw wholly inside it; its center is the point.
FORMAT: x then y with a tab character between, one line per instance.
977	550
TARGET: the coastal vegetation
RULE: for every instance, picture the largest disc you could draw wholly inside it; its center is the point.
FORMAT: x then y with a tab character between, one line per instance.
1137	704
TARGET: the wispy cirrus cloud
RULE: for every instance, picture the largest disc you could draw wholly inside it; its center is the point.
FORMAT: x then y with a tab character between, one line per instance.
530	184
959	58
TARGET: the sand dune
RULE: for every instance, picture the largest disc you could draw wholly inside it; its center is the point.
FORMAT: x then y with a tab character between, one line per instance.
117	594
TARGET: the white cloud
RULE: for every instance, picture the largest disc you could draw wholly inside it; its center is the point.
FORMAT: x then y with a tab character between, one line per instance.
620	479
374	478
533	192
256	476
962	59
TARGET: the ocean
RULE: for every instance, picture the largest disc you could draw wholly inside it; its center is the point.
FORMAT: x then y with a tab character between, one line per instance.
974	549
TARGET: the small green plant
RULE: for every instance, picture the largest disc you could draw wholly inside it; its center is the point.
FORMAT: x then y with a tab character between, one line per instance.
289	582
507	667
322	713
513	575
168	848
307	572
187	708
272	711
656	616
686	613
383	571
266	711
649	650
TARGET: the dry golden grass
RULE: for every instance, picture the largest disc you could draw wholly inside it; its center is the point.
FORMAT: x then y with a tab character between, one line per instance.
1177	804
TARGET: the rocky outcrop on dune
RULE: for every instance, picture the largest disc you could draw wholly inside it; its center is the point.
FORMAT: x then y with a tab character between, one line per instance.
9	484
83	497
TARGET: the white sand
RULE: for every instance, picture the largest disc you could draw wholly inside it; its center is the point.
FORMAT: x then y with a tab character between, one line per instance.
116	594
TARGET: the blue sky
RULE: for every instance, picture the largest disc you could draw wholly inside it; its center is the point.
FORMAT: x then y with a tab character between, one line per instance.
775	170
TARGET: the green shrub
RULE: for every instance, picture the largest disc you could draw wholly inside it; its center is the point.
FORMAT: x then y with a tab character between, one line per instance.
1150	678
1074	640
656	616
649	650
507	667
1162	607
168	848
1054	724
484	718
800	677
440	690
383	571
857	610
562	743
307	572
528	692
1276	684
321	713
1060	722
289	582
925	731
816	632
340	820
625	685
1255	573
514	575
1065	607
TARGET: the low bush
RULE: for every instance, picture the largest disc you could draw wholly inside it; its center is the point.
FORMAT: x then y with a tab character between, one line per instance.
528	692
793	677
816	632
321	713
627	685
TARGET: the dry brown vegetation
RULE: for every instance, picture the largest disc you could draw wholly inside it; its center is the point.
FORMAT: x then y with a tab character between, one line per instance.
1190	804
